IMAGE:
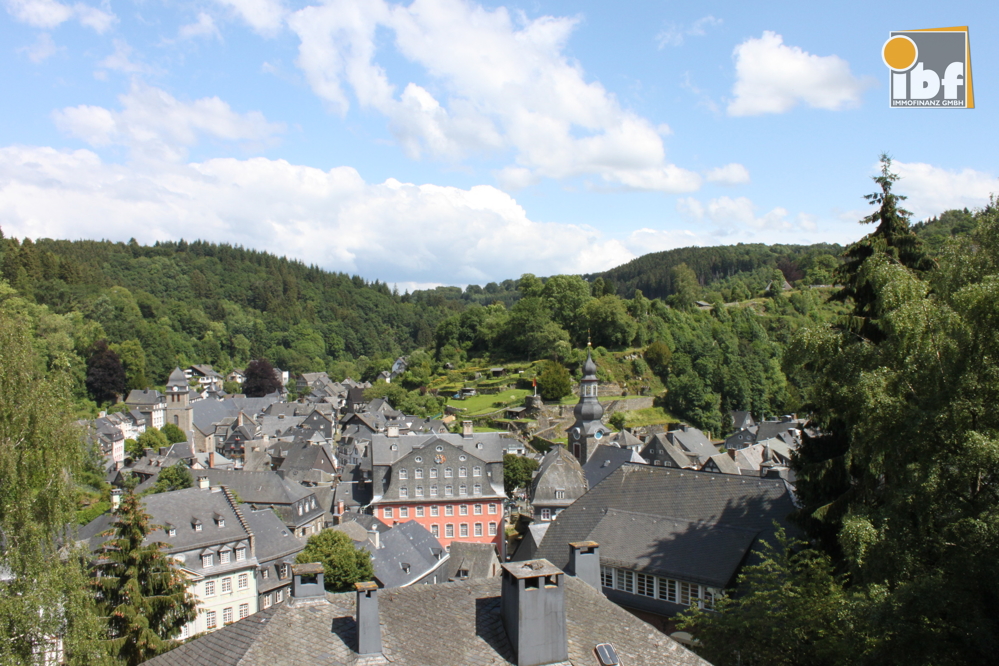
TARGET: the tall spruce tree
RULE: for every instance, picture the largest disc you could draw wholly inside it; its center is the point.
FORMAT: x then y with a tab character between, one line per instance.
139	588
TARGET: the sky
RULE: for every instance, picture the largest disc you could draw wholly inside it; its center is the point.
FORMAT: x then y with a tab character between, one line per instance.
456	142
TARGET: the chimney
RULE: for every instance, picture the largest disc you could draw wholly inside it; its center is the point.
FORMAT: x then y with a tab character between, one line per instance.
211	460
307	582
466	429
203	482
393	431
116	498
533	605
369	628
239	419
584	560
375	538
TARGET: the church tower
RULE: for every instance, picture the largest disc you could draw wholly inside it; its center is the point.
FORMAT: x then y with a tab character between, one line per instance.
585	434
178	410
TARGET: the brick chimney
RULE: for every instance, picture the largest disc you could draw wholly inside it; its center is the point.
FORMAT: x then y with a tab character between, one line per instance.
533	606
369	628
584	561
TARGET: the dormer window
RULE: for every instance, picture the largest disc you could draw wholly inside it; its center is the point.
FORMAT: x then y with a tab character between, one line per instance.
197	525
207	560
300	509
240	554
170	530
224	557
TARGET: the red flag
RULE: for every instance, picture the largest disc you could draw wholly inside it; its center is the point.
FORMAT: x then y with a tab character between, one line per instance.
534	382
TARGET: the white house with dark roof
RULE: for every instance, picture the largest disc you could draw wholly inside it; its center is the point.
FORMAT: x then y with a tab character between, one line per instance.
296	505
206	533
558	482
151	404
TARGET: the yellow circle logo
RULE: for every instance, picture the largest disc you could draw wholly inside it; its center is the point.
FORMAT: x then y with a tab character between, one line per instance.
899	53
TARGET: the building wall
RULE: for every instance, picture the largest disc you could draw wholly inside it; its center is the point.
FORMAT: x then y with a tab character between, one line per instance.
653	594
391	513
219	601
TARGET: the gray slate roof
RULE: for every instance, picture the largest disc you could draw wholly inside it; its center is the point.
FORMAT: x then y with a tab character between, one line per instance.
606	459
478	559
691	525
559	470
408	545
451	624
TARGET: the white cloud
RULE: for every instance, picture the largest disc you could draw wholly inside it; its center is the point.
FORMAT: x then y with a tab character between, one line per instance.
122	61
266	17
499	85
772	77
730	174
155	125
729	213
203	27
932	190
393	231
645	240
43	48
674	35
50	13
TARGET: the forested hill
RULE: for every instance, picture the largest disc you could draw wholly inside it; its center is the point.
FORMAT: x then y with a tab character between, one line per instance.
723	267
205	303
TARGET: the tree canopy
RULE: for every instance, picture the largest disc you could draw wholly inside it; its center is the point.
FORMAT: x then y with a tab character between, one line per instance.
260	379
343	563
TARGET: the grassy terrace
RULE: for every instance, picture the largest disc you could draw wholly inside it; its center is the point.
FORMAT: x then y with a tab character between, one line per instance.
485	404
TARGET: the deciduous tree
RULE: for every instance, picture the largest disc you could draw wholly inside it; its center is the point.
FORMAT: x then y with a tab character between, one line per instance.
343	563
260	379
105	374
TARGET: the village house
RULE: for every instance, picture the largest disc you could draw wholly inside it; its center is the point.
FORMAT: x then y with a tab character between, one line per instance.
151	404
558	482
297	506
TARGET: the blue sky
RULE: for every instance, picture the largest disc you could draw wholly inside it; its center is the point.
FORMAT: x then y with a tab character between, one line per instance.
451	142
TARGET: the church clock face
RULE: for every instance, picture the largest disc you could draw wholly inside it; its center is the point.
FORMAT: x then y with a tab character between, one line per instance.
598	434
575	433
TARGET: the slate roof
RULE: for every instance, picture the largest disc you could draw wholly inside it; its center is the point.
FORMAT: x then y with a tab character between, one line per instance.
145	397
257	487
451	624
407	545
273	540
692	525
559	470
606	459
725	464
693	441
206	413
493	445
478	559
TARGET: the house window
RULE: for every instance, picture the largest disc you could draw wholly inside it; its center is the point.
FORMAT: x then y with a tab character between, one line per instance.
476	471
448	490
645	585
404	512
463	489
210	617
418	473
546	514
559	494
240	554
449	510
220	522
435	530
478	530
419	512
265	574
688	592
267	601
403	474
404	492
478	509
419	491
197	527
244	581
224	557
279	596
463	510
172	531
244	610
435	511
285	570
492	508
607	577
462	471
209	588
226	585
387	512
207	560
625	580
433	490
463	530
227	615
448	473
477	489
667	590
492	529
433	472
449	531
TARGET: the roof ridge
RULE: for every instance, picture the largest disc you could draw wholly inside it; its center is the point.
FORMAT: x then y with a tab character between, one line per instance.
714	522
240	517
